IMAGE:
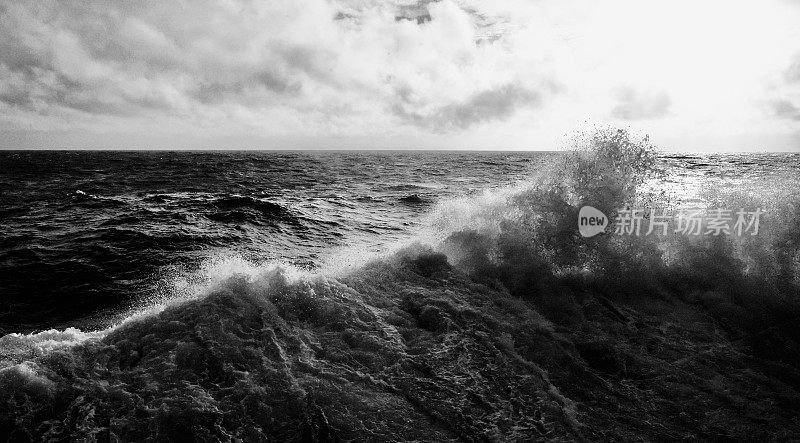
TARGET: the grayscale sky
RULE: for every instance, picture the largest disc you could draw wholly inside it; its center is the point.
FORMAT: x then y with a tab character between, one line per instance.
368	74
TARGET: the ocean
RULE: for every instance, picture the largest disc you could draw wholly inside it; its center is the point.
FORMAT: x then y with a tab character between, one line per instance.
89	234
387	296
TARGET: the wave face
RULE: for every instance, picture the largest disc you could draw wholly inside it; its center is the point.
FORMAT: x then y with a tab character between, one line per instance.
388	351
489	319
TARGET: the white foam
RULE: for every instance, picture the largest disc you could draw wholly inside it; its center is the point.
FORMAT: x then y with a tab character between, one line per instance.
178	288
16	347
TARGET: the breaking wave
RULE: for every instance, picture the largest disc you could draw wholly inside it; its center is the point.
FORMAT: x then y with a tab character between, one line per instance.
496	321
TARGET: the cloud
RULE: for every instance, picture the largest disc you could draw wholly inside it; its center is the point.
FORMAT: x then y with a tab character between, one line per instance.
792	73
265	66
785	109
492	104
784	102
418	68
636	105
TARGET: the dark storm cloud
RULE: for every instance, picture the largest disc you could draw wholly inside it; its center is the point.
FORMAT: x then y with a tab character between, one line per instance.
792	74
491	104
635	105
250	89
785	109
38	89
785	103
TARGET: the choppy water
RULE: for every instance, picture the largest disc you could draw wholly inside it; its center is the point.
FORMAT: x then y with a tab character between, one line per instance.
421	295
87	233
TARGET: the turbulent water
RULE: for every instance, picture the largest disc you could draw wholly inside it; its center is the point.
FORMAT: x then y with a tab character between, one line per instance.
93	232
386	296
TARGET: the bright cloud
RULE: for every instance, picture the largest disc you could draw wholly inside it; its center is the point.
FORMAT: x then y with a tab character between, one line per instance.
316	73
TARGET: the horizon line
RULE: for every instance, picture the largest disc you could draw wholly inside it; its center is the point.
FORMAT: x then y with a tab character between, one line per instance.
356	150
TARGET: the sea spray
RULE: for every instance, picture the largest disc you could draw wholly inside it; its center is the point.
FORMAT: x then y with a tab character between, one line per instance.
498	321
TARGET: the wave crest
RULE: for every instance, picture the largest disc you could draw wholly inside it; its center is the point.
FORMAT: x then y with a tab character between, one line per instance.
470	331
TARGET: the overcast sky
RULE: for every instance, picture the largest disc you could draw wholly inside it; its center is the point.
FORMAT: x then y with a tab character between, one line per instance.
356	74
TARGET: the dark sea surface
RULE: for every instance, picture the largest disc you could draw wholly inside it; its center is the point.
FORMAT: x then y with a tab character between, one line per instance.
88	233
238	285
